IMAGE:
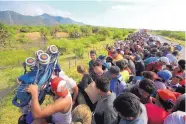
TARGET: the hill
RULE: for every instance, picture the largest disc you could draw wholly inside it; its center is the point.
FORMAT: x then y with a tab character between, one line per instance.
13	18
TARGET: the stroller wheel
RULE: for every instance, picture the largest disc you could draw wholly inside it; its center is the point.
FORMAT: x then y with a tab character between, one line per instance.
30	61
44	58
37	53
52	49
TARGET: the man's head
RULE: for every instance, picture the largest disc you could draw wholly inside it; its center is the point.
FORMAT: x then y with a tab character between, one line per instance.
97	66
159	54
175	53
103	85
165	75
122	64
81	69
137	58
176	79
58	87
128	106
93	55
114	71
166	98
146	88
115	53
127	50
181	64
150	75
164	61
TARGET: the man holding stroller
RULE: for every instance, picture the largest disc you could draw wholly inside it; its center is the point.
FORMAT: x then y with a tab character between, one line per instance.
60	110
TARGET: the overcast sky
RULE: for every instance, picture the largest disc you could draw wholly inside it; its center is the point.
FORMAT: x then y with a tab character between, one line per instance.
151	14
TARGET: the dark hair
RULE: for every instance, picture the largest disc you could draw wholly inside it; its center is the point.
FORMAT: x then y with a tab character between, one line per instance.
181	106
153	50
175	53
182	64
159	54
93	52
169	67
147	85
148	75
97	63
103	84
181	89
122	64
127	104
166	104
81	69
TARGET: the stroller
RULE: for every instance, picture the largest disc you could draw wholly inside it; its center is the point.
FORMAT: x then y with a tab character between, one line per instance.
41	69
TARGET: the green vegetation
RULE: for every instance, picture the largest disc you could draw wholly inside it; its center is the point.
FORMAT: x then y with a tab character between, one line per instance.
175	36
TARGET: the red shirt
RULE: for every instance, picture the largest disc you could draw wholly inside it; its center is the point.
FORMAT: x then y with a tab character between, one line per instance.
156	115
155	67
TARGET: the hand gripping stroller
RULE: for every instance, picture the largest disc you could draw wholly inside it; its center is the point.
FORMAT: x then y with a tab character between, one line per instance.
41	69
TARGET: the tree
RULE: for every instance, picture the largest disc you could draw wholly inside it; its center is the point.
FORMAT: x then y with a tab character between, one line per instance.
100	37
74	32
95	30
86	30
2	26
104	32
79	51
3	37
63	28
118	35
54	30
125	32
43	33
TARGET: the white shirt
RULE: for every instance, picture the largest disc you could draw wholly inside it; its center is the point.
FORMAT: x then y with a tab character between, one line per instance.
175	118
70	82
159	85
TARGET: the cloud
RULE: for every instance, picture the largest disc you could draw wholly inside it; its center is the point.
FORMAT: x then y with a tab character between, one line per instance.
160	15
32	8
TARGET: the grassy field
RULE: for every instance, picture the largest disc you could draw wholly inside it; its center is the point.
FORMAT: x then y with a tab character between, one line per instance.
181	42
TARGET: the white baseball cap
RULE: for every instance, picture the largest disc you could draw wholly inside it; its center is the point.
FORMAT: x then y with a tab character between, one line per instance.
165	60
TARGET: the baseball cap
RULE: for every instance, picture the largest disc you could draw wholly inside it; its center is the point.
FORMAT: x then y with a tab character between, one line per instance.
101	57
166	95
58	85
114	70
165	60
178	47
165	74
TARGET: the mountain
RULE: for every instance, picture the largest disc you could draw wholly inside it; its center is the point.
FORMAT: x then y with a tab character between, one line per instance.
10	17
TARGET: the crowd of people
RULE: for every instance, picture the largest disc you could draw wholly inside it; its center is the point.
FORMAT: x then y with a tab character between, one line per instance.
140	81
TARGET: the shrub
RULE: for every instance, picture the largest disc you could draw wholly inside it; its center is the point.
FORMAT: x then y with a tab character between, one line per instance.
100	37
118	35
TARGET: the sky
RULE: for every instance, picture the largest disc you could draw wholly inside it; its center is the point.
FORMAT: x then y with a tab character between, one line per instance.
150	14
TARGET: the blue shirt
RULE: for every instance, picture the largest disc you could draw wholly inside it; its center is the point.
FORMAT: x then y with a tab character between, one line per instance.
117	85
